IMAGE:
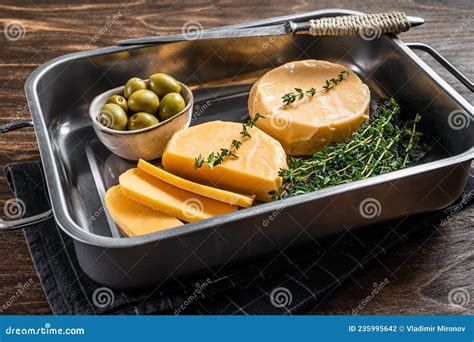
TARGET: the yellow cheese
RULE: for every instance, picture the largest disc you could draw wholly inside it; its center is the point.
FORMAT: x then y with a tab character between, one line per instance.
308	125
136	219
254	172
203	190
156	194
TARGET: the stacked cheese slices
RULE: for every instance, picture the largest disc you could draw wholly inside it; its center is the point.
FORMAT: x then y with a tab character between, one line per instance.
150	198
312	122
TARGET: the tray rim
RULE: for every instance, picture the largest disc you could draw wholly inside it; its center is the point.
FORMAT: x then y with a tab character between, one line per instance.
72	229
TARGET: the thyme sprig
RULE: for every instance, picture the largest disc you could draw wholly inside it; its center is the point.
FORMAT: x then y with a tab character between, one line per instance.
299	93
383	144
216	158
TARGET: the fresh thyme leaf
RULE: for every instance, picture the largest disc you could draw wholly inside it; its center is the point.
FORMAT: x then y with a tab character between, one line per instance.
311	91
224	152
257	116
288	98
198	161
334	81
299	94
245	133
210	160
383	144
216	158
236	144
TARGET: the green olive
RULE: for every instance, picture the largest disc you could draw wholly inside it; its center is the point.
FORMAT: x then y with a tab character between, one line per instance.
113	116
143	101
133	85
163	84
141	120
119	100
171	104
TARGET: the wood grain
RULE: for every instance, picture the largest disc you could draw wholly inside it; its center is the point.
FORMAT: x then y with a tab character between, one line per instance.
421	273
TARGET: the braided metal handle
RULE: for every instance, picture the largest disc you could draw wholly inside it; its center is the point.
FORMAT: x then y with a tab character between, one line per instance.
367	25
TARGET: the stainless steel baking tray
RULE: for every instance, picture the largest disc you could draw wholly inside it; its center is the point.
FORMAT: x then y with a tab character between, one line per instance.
79	168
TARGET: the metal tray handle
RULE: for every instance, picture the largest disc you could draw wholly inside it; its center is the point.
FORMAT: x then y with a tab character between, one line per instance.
444	62
28	221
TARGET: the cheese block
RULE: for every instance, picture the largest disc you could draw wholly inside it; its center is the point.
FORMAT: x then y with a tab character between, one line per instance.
156	194
136	219
254	172
203	190
308	125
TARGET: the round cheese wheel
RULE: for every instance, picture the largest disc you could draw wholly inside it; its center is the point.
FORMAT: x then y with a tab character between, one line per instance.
308	125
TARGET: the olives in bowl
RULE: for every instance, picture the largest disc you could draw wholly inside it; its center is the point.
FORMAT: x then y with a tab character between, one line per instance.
163	84
113	116
133	85
133	122
141	120
119	100
143	101
171	104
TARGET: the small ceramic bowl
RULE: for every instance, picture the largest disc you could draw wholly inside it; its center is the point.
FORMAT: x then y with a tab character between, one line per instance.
146	143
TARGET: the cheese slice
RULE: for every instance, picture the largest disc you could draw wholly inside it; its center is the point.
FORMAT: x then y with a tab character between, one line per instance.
136	219
203	190
254	172
156	194
308	125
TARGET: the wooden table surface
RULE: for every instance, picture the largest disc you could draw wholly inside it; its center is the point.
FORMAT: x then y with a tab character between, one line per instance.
420	272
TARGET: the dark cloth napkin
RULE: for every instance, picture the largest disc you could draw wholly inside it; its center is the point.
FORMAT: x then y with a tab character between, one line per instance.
293	282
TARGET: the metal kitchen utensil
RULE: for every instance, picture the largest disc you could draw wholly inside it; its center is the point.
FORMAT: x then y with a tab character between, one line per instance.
220	73
365	24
